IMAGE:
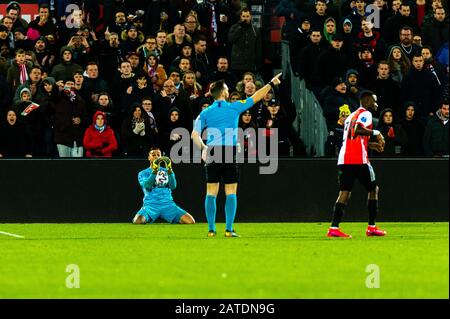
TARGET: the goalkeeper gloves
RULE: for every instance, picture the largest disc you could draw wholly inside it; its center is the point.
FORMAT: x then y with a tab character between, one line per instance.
155	165
167	163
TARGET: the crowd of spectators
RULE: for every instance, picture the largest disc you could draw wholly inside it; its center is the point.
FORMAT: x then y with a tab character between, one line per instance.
113	78
397	48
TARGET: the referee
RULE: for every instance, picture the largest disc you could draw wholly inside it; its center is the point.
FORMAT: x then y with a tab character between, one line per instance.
220	120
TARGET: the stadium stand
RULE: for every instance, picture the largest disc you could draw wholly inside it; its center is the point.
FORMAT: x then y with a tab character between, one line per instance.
59	65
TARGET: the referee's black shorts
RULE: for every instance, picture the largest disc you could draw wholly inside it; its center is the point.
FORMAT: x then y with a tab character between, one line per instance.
362	172
222	165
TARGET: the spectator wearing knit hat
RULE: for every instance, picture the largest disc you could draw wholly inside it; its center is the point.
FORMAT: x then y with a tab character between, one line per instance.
333	98
21	40
298	40
13	10
366	66
35	117
44	57
353	85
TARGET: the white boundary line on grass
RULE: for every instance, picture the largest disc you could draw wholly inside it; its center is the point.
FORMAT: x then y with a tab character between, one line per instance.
9	234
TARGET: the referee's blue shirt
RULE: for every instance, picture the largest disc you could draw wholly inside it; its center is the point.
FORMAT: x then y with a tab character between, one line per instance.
223	117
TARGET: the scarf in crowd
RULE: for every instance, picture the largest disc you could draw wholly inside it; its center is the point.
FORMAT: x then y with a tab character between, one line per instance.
134	121
70	94
443	119
23	74
152	120
100	128
151	71
213	27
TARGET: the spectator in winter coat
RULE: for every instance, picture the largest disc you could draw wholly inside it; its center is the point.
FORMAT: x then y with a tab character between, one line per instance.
99	139
394	134
246	42
70	117
396	22
65	70
15	137
155	71
333	62
435	139
276	117
43	24
137	135
421	87
435	33
387	91
414	131
399	64
333	98
18	72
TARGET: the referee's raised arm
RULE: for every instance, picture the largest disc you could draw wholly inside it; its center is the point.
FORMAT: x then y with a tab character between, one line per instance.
259	95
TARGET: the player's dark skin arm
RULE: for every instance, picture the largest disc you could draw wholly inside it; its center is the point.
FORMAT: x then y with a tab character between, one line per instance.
360	130
379	145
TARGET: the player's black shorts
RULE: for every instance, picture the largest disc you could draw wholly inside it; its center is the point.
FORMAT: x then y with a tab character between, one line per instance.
363	172
222	168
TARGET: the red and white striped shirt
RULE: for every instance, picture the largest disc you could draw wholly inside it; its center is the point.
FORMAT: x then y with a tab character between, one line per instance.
354	147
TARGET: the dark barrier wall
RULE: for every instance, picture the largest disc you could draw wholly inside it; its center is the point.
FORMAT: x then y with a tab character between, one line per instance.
303	190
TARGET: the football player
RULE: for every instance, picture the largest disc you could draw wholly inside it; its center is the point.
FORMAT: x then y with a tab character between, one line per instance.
157	183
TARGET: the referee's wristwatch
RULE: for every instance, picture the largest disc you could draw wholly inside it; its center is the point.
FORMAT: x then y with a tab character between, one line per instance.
272	85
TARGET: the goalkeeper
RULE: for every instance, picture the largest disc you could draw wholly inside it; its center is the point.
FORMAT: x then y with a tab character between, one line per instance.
157	183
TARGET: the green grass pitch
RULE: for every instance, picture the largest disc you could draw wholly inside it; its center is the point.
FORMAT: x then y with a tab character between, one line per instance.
270	260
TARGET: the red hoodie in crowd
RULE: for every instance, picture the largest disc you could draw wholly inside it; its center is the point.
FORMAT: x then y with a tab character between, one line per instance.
99	141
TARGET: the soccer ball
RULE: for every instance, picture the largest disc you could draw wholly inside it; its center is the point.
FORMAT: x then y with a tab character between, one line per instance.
161	179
